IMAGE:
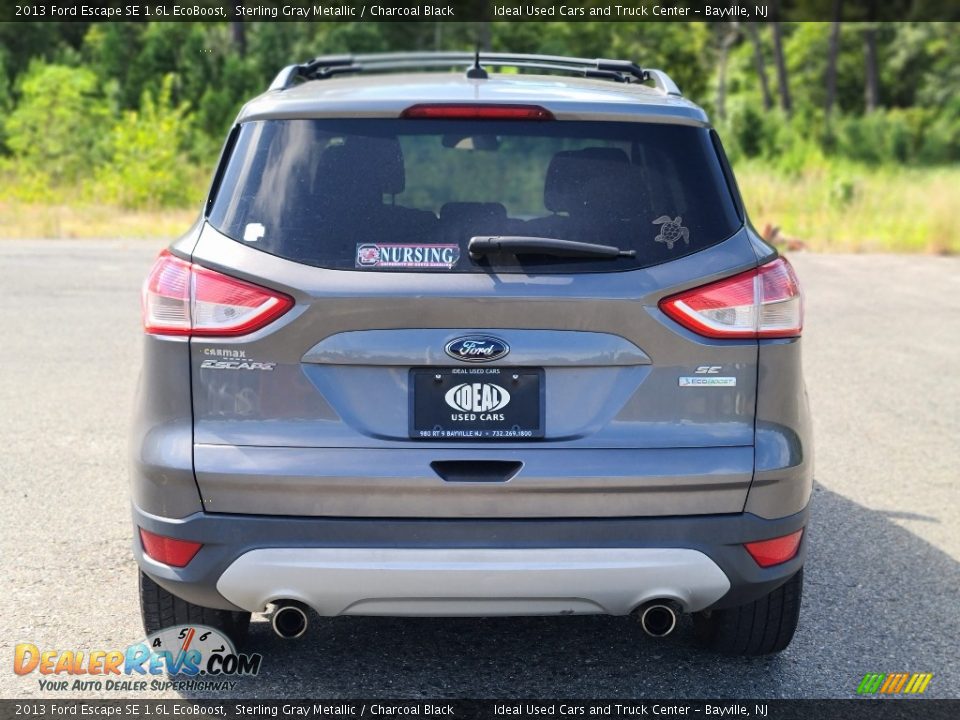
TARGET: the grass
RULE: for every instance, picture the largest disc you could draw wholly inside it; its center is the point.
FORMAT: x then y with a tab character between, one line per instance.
835	208
88	220
857	209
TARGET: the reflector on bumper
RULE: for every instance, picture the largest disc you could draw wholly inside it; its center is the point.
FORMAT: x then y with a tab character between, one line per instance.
167	550
767	553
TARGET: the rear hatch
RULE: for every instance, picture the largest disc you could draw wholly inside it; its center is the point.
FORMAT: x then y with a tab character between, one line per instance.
412	379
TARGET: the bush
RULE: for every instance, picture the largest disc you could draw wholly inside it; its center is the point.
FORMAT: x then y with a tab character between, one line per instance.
785	143
941	138
146	163
904	136
6	101
56	130
898	136
744	131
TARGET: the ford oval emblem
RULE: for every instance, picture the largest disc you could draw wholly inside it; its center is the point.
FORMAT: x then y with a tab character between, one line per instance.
477	348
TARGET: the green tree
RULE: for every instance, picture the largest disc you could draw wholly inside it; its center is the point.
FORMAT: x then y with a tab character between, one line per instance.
23	42
683	49
6	99
56	128
110	50
146	166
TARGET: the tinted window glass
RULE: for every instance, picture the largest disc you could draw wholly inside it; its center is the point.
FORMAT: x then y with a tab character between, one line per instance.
409	194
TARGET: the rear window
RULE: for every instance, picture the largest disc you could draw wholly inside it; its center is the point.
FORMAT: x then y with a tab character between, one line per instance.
409	194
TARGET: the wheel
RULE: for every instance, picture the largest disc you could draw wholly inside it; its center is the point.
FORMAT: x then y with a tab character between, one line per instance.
161	609
761	627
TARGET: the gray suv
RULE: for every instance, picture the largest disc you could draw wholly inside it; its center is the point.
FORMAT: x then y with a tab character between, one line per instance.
453	340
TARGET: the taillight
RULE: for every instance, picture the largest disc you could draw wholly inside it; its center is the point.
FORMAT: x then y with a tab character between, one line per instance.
168	550
767	553
761	303
181	298
472	111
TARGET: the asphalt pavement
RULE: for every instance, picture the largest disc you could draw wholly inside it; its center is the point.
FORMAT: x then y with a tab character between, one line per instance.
882	583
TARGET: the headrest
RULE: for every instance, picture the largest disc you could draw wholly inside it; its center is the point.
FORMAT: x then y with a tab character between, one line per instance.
595	177
363	166
470	211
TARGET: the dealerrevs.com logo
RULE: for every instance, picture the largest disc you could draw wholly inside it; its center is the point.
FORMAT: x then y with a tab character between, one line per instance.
183	657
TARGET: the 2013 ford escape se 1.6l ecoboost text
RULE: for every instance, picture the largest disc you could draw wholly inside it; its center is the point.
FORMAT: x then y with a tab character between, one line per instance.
473	343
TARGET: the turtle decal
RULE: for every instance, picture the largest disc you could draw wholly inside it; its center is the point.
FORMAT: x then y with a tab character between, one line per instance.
671	230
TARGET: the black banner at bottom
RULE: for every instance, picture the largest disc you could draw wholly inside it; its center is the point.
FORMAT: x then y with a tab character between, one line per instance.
860	709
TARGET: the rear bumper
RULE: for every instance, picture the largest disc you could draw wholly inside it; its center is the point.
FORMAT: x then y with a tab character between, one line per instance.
480	581
470	566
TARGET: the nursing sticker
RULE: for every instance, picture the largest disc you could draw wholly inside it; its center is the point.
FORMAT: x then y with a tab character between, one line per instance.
426	257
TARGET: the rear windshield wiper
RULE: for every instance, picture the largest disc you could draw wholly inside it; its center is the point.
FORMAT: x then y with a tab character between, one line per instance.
524	245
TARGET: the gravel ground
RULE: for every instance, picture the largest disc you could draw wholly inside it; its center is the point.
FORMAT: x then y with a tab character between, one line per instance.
882	577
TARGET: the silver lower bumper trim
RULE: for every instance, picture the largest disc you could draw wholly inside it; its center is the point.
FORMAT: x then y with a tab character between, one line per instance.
472	582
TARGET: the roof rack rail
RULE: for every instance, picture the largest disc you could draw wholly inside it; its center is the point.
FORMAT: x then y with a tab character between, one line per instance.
327	66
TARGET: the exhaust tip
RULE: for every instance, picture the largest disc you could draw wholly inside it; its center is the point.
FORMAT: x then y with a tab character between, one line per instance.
658	619
289	620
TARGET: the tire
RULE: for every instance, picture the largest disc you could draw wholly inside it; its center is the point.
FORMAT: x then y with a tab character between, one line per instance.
162	609
762	627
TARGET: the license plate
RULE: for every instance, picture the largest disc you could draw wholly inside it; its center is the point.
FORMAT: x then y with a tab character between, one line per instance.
476	403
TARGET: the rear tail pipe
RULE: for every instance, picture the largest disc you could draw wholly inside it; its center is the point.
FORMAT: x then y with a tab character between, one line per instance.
658	618
289	619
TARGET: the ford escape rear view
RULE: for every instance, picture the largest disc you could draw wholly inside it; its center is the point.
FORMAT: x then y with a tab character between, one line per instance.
473	343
